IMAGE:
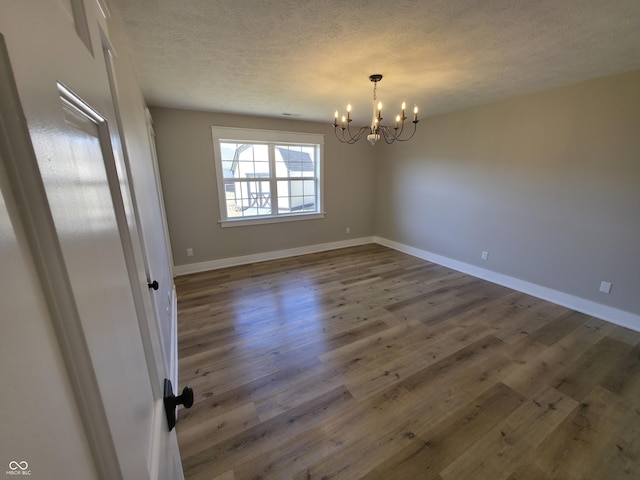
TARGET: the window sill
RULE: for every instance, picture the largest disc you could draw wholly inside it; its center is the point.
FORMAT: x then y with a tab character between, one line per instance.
245	222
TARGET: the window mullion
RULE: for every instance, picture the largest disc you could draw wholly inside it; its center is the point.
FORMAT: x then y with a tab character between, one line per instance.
273	180
317	178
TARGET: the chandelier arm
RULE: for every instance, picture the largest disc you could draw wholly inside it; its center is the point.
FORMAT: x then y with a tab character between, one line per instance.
348	132
344	139
335	132
389	137
396	133
386	134
357	135
348	138
415	127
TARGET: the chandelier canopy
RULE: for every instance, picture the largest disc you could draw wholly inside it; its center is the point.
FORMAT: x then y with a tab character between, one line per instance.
376	130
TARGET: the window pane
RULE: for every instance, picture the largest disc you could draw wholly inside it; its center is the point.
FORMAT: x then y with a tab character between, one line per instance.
233	200
242	160
248	199
309	187
227	150
296	195
309	203
295	161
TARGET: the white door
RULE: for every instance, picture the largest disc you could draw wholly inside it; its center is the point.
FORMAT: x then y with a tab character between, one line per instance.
85	212
158	252
81	236
146	198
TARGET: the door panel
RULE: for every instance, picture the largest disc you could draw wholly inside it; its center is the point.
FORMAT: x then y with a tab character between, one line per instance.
158	250
83	211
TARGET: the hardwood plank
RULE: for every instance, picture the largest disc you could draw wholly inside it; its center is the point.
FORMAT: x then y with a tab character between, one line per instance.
502	450
570	451
261	439
515	316
625	379
199	370
200	434
211	402
542	369
620	455
388	422
315	382
226	476
557	328
592	368
363	382
429	453
528	472
366	362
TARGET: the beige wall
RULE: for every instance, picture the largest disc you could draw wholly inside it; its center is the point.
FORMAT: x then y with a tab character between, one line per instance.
548	184
185	157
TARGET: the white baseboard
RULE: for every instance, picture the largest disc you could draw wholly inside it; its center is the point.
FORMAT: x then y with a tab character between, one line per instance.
589	307
261	257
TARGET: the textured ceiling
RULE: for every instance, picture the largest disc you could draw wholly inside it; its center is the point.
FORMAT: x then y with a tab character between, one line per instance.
309	58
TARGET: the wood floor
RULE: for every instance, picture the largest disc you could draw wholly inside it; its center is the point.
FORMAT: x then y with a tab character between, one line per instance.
365	363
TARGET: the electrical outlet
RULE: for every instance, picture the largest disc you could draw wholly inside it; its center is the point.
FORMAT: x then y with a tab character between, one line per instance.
189	252
348	229
485	255
605	287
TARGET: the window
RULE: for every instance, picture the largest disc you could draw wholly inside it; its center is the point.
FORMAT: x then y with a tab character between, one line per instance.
267	176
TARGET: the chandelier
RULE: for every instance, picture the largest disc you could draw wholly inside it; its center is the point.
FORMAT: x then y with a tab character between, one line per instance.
376	130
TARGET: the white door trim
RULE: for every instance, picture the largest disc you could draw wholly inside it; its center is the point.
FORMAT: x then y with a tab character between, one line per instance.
156	172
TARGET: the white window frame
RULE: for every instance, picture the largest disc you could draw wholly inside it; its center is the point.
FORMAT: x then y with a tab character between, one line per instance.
272	138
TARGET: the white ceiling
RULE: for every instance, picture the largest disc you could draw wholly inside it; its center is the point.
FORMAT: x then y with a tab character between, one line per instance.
309	58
